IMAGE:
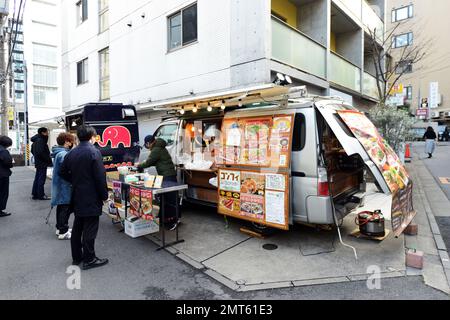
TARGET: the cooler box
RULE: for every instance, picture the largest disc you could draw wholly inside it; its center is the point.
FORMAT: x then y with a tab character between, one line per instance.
140	227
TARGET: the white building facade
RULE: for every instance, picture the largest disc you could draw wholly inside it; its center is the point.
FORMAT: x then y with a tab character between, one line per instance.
144	51
42	49
35	74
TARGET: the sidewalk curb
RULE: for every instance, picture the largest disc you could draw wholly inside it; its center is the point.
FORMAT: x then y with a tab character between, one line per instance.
439	242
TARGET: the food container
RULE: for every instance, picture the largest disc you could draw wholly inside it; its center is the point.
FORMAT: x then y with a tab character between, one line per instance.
371	223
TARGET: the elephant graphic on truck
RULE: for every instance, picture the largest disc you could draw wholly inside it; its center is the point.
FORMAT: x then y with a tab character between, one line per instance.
116	135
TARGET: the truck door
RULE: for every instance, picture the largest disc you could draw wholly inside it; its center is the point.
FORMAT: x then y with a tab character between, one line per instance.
350	143
169	132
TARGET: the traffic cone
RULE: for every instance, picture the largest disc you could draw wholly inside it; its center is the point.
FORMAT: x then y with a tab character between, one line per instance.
408	153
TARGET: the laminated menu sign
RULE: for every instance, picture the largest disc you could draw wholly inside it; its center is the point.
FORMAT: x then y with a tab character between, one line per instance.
256	148
275	182
233	135
389	164
275	207
254	196
147	205
230	180
117	192
280	141
135	201
257	142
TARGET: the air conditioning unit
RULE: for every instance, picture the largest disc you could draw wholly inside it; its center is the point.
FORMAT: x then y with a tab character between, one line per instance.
435	114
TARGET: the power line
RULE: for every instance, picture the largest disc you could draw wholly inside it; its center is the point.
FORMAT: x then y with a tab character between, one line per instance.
17	21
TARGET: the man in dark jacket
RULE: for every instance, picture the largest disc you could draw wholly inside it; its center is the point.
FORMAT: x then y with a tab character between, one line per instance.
42	161
6	163
160	158
83	168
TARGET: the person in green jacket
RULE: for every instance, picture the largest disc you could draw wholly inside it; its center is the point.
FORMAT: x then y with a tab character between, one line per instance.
160	158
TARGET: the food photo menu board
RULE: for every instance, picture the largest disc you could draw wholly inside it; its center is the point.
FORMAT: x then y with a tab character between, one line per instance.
389	164
256	142
254	196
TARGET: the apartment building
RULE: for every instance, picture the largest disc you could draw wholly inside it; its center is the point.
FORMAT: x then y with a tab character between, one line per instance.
424	23
146	52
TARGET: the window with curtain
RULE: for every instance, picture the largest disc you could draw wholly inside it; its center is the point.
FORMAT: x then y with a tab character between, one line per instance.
44	96
103	15
45	76
104	74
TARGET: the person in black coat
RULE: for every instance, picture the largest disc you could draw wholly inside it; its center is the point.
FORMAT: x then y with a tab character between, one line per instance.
6	163
83	168
42	161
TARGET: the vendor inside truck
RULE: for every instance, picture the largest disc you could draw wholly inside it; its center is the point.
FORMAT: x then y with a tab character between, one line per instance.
160	158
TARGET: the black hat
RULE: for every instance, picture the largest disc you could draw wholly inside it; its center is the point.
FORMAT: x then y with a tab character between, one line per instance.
149	139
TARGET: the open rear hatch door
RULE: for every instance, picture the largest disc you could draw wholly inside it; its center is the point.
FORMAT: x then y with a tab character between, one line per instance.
358	135
351	144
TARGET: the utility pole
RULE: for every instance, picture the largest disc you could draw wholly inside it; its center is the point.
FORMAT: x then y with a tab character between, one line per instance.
4	10
27	132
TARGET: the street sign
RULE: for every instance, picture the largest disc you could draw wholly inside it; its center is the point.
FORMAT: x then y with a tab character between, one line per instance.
422	112
434	95
397	89
10	114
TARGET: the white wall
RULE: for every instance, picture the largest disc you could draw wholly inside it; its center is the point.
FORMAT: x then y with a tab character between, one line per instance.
42	25
141	68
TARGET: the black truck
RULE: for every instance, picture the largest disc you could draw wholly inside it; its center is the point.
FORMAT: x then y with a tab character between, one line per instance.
117	131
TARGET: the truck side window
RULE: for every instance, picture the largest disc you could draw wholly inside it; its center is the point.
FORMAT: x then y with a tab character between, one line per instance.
299	136
167	133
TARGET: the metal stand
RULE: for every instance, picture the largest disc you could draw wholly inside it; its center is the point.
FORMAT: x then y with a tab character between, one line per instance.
162	226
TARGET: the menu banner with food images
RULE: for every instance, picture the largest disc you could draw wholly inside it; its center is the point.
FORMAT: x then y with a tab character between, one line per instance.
229	201
256	142
402	209
135	201
147	205
280	140
250	201
256	146
252	194
117	193
389	164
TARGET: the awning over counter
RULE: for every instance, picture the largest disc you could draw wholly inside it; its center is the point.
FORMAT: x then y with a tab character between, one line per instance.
57	122
217	99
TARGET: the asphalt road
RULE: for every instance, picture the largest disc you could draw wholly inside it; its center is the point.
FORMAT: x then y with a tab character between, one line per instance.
439	167
33	265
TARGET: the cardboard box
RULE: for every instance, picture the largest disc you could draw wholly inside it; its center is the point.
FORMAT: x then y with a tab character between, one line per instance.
140	227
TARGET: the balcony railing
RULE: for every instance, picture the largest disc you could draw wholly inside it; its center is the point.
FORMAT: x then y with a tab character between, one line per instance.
344	73
292	47
372	21
353	6
370	88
